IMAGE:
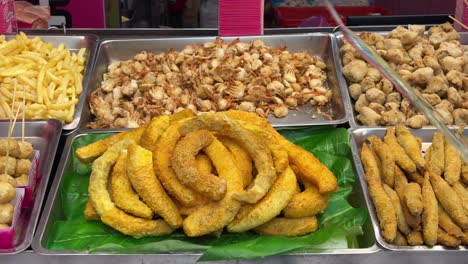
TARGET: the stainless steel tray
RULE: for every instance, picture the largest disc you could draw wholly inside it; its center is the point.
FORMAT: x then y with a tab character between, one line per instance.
318	44
53	212
74	43
44	136
358	137
349	102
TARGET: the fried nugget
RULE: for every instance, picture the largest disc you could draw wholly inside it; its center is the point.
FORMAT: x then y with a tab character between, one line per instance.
452	165
413	198
430	215
185	167
146	184
23	166
89	212
401	158
400	240
401	221
215	215
387	159
241	157
22	180
307	203
446	223
7	178
449	200
437	158
410	144
415	238
153	131
9	163
280	226
26	150
203	164
400	184
6	213
253	215
446	239
123	194
462	194
12	145
7	192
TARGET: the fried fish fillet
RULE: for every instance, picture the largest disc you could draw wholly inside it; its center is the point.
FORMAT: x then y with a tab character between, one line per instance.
241	157
411	146
462	194
123	194
153	131
415	238
452	165
204	164
446	239
401	221
430	215
387	159
401	158
447	224
400	240
400	184
281	226
146	184
413	198
306	203
437	158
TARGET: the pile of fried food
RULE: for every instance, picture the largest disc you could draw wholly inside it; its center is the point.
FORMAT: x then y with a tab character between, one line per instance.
436	65
15	164
211	77
48	79
418	200
228	169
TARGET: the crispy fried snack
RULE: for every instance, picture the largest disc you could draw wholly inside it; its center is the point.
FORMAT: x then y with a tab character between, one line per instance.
7	192
387	159
446	223
400	240
411	146
370	164
221	123
462	194
452	165
141	175
153	131
89	212
280	226
122	192
415	238
415	177
401	221
181	115
464	239
401	158
185	166
203	164
430	215
163	169
7	178
241	157
400	184
464	174
90	152
428	154
446	239
437	158
215	215
12	145
413	198
253	215
307	203
449	200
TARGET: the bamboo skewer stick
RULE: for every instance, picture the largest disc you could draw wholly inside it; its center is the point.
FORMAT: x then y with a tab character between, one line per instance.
458	21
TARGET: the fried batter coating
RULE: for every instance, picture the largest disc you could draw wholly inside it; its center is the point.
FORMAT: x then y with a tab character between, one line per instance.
446	223
371	167
401	221
6	213
437	158
464	174
23	166
430	215
185	166
415	238
410	144
163	169
26	150
22	180
401	158
146	184
203	164
280	226
307	203
415	177
400	184
7	178
400	240
123	194
89	212
183	114
9	163
462	194
221	123
253	215
215	215
413	198
387	159
12	144
453	164
7	192
241	157
449	200
153	131
446	239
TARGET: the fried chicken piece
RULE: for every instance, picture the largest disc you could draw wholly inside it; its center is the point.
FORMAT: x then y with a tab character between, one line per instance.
355	90
361	102
430	215
355	71
417	121
368	117
393	117
460	116
374	95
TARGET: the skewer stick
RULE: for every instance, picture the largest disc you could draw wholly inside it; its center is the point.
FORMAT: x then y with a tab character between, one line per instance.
458	21
10	127
24	112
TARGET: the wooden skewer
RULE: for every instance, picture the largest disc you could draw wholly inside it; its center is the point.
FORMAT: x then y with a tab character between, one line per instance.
10	125
458	22
24	112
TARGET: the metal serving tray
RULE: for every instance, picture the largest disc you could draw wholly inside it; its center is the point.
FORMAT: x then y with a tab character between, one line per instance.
44	135
318	44
349	102
74	43
358	137
53	211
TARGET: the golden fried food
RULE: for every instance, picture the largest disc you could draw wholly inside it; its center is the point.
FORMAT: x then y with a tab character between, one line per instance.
6	213
7	192
446	239
146	184
26	150
428	155
415	238
281	226
307	203
371	167
401	221
400	240
462	194
413	198
7	178
464	173
153	131
410	144
11	145
23	166
9	163
163	169
437	158
400	184
181	115
185	166
90	152
464	239
89	212
204	164
387	159
430	215
224	125
123	194
447	224
215	215
22	180
4	226
253	215
449	200
453	164
415	177
401	158
241	157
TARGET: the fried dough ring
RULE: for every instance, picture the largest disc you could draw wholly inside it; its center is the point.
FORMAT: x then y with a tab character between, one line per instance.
146	184
307	203
153	131
253	215
241	157
221	123
123	194
185	166
213	216
281	226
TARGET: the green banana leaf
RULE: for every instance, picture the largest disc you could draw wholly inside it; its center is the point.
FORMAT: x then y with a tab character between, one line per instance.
339	225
